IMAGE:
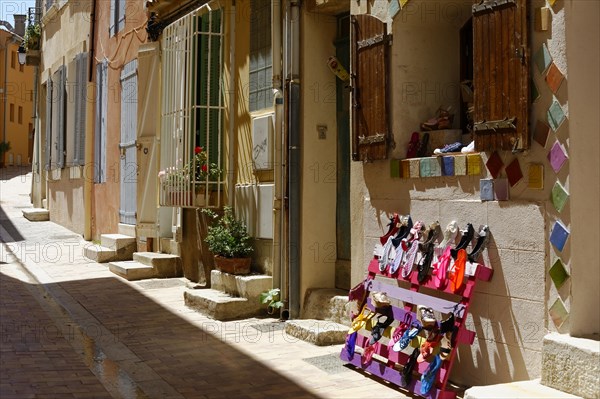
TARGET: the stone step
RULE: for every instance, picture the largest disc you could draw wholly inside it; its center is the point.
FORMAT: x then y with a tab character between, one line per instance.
221	306
118	241
327	304
248	286
99	254
571	364
520	389
165	264
317	332
36	214
132	270
126	229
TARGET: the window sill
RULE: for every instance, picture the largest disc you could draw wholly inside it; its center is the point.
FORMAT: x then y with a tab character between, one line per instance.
442	165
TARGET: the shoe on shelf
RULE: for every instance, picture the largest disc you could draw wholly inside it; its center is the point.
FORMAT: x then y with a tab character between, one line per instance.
482	240
454	147
469	148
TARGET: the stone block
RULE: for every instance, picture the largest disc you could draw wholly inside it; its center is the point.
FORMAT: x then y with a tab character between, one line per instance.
221	306
317	332
327	304
132	270
517	225
249	286
36	214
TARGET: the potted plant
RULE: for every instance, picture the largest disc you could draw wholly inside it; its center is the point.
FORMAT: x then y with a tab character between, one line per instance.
32	37
228	239
271	298
4	148
202	171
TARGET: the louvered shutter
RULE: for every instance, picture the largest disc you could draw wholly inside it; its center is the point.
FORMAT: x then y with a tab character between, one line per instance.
370	118
112	19
48	155
61	115
121	16
500	76
80	108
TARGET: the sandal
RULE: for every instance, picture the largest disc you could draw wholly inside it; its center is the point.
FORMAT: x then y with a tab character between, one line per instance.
428	347
379	328
426	316
351	344
385	256
422	151
413	145
406	375
398	331
428	377
467	237
457	274
408	336
360	321
394	226
426	248
482	240
449	235
440	269
367	355
411	245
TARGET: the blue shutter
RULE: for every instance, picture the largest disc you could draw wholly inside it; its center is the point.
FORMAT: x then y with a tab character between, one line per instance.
48	157
111	20
62	111
80	108
121	16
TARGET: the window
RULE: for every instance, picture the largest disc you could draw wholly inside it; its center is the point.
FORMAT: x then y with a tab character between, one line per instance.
261	62
370	120
500	76
79	114
12	112
20	115
13	59
49	4
100	136
117	16
21	68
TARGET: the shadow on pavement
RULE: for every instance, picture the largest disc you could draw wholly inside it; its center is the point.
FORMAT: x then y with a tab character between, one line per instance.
8	225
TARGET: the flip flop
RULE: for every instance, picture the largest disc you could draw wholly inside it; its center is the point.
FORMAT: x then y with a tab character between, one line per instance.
351	344
360	321
457	275
379	328
449	235
440	269
467	236
398	331
408	336
368	354
406	375
445	346
394	226
409	259
482	239
383	261
428	377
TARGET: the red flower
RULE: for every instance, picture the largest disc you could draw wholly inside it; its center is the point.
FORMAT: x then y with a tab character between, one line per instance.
197	150
205	168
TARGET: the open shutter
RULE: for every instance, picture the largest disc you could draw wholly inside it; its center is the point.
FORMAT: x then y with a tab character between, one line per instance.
501	75
62	109
121	16
48	155
80	108
112	19
370	119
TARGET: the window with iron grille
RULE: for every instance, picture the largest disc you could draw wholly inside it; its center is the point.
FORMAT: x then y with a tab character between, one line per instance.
192	110
261	61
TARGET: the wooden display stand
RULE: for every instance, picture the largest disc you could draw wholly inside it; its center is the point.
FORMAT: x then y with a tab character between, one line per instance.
444	301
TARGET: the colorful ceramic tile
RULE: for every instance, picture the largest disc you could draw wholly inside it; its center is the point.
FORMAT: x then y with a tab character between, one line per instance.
513	172
551	2
430	167
486	189
460	165
541	133
501	189
557	156
559	196
405	168
473	164
393	8
559	236
448	166
415	168
558	313
395	168
554	78
542	58
494	164
558	273
403	3
535	93
556	115
536	176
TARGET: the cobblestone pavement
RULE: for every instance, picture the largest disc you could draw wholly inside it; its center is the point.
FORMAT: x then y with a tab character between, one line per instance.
70	328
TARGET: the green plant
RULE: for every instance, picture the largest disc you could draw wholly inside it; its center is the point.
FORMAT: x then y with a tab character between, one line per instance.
227	236
32	37
4	147
271	298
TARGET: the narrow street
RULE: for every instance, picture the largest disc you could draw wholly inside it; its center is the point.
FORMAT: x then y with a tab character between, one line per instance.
71	328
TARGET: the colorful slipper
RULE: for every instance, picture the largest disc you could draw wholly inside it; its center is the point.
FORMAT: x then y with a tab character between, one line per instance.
449	235
387	249
407	225
467	236
482	240
440	268
394	226
351	344
360	321
408	336
409	259
446	346
379	328
426	316
457	275
406	375
428	377
398	331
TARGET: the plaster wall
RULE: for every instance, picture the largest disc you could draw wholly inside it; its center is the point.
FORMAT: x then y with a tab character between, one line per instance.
583	39
509	313
118	50
65	33
19	89
318	181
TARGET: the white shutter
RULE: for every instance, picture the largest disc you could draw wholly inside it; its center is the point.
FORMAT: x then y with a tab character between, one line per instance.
80	109
48	155
111	23
104	99
121	17
61	98
100	123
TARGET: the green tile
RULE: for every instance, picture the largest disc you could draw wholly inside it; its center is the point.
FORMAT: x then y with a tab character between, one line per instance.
559	196
542	58
395	168
556	115
558	273
558	313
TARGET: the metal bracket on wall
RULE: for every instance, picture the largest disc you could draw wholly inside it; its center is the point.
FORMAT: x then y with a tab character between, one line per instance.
506	123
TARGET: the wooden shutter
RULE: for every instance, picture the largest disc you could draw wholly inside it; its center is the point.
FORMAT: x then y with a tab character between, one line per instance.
100	131
111	24
121	16
62	113
48	155
500	76
369	70
80	108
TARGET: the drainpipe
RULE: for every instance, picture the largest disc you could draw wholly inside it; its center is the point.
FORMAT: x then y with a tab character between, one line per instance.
232	110
293	123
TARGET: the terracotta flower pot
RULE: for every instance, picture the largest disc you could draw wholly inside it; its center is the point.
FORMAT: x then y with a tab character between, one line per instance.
233	265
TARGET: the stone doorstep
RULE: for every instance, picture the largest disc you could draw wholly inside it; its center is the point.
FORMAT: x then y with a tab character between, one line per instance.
118	241
221	306
132	270
36	214
317	332
99	254
246	286
571	364
520	389
165	264
327	304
